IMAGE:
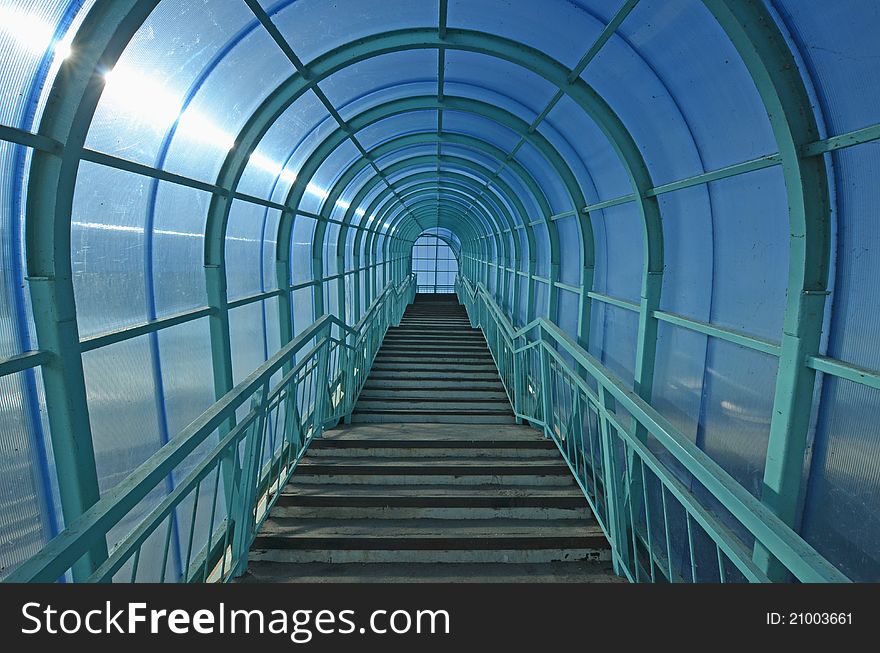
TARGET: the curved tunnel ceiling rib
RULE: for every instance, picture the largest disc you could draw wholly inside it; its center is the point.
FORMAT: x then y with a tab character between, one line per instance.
515	201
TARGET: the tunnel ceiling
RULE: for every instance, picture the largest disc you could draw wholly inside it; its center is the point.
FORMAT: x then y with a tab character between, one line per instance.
683	186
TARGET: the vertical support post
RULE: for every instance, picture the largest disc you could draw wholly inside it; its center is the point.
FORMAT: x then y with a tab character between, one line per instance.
246	498
67	408
546	387
613	502
322	390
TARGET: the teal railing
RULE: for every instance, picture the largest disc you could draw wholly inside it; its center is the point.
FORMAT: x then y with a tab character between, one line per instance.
669	511
228	466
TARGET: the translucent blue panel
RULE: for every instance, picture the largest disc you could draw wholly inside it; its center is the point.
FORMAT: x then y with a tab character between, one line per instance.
397	74
613	338
272	325
299	156
490	162
541	299
840	514
316	26
609	178
704	74
735	420
570	259
642	100
35	37
678	377
548	179
187	377
108	248
406	123
563	30
164	62
427	149
331	297
270	238
542	250
523	263
303	309
839	43
688	249
16	328
567	312
572	159
522	318
301	249
490	79
349	249
620	247
29	508
330	170
210	123
485	129
247	336
857	291
330	236
122	408
178	248
750	225
270	163
244	245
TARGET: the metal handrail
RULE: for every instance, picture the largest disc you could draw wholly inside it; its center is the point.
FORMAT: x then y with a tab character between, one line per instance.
238	479
590	413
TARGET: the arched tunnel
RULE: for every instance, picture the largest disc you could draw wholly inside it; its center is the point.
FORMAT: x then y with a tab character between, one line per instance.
656	213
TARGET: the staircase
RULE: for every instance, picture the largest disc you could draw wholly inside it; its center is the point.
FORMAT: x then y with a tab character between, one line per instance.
434	368
442	486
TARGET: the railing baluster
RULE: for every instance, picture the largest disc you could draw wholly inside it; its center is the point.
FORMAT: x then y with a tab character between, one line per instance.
668	539
687	519
648	521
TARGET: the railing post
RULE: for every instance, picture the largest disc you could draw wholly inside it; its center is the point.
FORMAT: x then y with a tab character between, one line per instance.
546	393
517	384
322	388
245	505
613	505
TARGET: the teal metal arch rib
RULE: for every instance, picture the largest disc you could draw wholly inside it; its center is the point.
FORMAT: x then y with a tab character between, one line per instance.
774	70
99	42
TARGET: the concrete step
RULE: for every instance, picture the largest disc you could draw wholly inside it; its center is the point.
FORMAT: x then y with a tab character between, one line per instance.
431	434
393	382
460	457
509	475
406	373
461	466
391	449
431	403
428	540
444	353
434	359
434	349
381	510
427	417
547	572
465	392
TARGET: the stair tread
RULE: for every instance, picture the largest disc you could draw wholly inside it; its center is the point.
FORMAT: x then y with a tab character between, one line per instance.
429	528
592	571
431	490
433	431
464	460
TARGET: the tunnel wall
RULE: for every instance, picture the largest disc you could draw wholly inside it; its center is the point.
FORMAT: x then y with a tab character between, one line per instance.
685	187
